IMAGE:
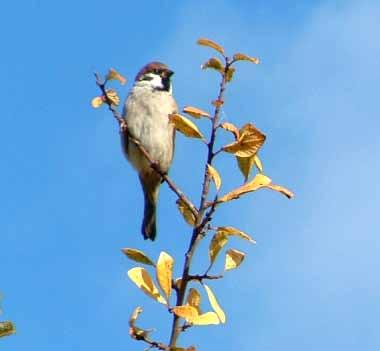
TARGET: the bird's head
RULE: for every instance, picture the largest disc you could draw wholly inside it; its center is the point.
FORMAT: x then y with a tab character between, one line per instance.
155	75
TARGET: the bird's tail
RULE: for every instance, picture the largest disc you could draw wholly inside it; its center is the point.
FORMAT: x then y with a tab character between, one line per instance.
151	189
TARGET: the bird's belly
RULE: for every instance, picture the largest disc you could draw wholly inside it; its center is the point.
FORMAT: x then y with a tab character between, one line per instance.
155	133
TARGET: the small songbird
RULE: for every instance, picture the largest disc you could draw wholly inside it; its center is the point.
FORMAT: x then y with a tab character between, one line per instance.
146	112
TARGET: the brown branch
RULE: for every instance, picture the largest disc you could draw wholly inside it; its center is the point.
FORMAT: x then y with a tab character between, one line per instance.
125	133
153	344
201	222
201	277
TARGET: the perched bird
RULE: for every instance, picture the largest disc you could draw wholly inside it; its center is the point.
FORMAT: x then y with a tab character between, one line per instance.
146	112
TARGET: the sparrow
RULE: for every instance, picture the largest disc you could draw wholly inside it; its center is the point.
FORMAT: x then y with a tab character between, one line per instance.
146	112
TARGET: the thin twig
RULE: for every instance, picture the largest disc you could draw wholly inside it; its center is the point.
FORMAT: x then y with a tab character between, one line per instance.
201	277
153	344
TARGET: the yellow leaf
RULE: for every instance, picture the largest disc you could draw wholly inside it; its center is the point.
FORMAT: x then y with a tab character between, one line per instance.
97	102
249	142
177	349
195	112
164	273
215	64
215	176
281	190
186	212
230	73
134	316
115	75
258	163
185	126
231	128
245	165
233	259
207	319
211	44
194	299
216	244
258	182
145	283
231	231
7	328
112	96
243	57
188	313
215	305
138	256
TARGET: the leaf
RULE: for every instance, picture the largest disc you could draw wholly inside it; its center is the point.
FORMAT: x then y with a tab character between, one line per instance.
139	333
187	214
188	313
249	141
112	96
258	182
115	75
136	312
96	102
245	165
145	283
214	176
233	259
231	128
207	319
194	299
211	44
231	231
230	73
215	64
215	305
138	256
7	328
258	163
216	244
164	273
243	57
281	190
195	112
185	126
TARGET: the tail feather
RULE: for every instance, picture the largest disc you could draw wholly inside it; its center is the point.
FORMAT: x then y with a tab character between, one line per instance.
151	186
148	228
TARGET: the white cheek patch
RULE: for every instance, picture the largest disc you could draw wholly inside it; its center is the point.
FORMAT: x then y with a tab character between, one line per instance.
155	81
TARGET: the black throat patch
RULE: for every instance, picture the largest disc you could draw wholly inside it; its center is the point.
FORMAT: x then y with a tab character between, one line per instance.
166	84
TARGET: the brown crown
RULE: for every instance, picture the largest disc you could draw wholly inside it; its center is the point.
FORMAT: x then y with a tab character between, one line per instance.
154	67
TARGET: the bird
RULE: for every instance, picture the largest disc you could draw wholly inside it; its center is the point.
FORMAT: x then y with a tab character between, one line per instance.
146	112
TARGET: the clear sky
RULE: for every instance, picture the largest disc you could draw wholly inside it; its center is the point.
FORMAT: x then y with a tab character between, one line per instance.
69	200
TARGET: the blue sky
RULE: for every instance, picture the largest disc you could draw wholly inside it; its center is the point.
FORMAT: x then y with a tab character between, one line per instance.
70	201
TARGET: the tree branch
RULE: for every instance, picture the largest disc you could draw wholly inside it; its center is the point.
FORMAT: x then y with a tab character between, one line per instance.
201	277
153	344
201	222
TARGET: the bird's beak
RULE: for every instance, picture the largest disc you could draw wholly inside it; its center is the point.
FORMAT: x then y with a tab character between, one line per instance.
168	73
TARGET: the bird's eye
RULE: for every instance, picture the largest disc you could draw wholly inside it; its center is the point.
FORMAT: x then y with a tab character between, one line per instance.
157	71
